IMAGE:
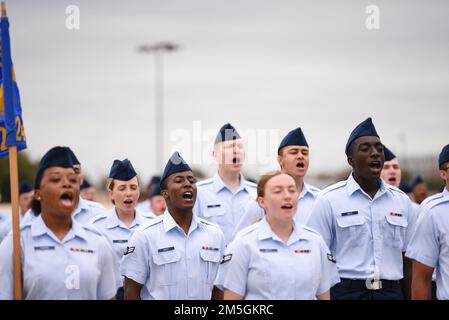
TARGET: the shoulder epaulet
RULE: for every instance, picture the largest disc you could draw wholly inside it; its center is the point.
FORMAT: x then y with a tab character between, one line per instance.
98	218
250	184
25	225
247	230
90	227
393	188
93	204
438	202
206	222
310	229
432	198
204	182
333	187
150	223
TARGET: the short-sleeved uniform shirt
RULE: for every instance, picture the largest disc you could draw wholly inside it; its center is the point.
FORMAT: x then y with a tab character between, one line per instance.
216	203
170	264
116	231
259	265
5	225
367	236
80	267
430	243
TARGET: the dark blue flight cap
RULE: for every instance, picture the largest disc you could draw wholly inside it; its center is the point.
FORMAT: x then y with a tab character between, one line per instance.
156	191
388	154
364	129
85	184
227	132
74	158
417	180
444	155
175	164
55	157
294	138
24	187
122	170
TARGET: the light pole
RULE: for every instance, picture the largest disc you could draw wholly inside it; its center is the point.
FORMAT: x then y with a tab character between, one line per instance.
158	49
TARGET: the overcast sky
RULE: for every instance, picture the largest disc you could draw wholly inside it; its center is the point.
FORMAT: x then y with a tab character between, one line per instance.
265	66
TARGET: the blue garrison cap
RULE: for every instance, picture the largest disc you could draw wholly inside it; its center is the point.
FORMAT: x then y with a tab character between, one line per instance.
175	164
444	155
364	129
156	191
24	187
55	157
388	154
294	138
74	158
417	180
85	184
122	170
227	132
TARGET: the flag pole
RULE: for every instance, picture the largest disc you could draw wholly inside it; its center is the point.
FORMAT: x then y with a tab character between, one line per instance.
14	180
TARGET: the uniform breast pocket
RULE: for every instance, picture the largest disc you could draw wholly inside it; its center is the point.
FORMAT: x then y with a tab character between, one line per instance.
394	231
352	230
209	265
214	212
165	267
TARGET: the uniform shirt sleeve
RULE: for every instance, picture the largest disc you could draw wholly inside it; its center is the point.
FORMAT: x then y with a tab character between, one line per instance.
108	282
329	272
412	219
321	220
6	269
424	246
135	261
5	227
251	214
235	275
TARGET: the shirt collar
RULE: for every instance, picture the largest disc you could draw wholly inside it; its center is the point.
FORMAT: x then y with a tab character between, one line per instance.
218	183
305	191
170	223
114	221
82	206
39	228
352	186
265	232
445	192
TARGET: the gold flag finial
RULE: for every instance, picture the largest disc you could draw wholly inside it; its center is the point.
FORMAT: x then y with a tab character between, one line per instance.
3	9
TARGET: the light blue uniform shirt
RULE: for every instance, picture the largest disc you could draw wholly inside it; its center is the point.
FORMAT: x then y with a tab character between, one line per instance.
84	212
116	231
426	203
253	212
366	236
258	265
78	267
5	225
430	243
431	199
145	208
216	203
170	264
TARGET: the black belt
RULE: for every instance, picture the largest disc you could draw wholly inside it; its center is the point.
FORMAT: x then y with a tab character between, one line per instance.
369	284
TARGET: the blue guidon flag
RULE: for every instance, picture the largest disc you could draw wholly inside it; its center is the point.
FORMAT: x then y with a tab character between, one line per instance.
12	132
